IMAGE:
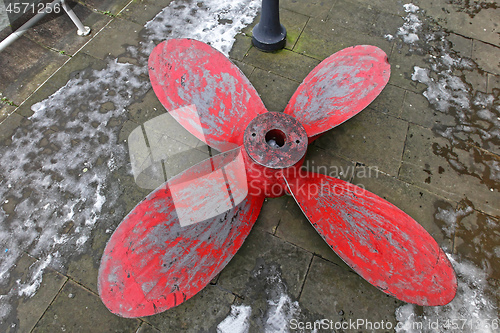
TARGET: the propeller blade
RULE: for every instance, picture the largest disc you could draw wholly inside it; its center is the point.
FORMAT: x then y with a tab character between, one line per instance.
376	239
173	243
338	88
216	99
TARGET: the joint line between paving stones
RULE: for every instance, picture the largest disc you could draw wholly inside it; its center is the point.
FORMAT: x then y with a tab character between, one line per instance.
143	322
401	108
69	278
50	48
392	51
313	253
306	55
267	70
234	60
479	40
404	147
305	277
300	35
51	302
228	291
124	7
455	225
277	226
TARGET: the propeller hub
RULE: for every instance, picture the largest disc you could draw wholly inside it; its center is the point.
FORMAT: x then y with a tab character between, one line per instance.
275	140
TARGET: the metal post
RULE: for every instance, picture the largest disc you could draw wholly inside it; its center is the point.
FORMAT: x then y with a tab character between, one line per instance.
82	30
269	35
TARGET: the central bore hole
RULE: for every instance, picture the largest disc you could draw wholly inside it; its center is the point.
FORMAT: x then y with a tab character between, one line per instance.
275	138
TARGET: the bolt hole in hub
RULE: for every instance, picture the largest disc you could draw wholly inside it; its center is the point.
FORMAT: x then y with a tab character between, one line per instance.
275	140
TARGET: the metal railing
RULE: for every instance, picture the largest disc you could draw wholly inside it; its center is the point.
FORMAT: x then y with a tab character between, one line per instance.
82	30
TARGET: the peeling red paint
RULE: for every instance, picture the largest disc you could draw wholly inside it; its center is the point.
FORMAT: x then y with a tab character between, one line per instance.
175	241
376	239
153	263
219	99
340	87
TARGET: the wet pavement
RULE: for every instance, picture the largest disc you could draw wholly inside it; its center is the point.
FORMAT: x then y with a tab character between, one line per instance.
430	144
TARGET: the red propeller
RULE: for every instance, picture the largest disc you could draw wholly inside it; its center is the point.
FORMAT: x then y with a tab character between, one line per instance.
173	243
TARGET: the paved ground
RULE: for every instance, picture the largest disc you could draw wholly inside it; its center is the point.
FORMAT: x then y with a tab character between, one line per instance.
69	105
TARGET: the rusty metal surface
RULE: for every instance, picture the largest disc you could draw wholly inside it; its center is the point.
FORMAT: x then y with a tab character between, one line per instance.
338	88
275	140
219	99
154	262
174	242
376	239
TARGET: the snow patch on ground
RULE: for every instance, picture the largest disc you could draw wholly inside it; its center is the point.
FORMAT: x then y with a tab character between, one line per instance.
451	217
237	321
213	21
280	313
280	309
412	26
55	176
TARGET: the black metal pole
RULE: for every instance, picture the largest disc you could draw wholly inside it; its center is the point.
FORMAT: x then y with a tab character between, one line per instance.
269	35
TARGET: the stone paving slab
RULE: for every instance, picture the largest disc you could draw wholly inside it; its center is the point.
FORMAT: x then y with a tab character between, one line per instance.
25	66
477	237
274	90
382	6
245	68
109	7
141	11
146	328
486	56
240	48
261	248
452	172
9	125
73	67
354	15
60	33
85	310
26	311
321	39
6	108
402	67
269	217
390	101
200	313
286	63
386	23
465	19
493	83
112	42
316	9
378	138
294	24
145	109
341	295
416	110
